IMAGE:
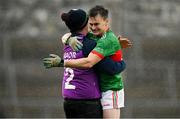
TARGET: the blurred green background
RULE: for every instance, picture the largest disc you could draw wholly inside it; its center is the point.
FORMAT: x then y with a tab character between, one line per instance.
30	29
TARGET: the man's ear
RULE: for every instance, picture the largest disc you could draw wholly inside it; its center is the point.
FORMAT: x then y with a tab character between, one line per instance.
106	22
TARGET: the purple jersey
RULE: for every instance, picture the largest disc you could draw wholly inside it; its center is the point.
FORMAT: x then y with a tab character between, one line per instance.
79	83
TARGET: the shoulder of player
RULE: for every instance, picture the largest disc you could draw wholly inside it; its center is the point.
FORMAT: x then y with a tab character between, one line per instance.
109	35
89	34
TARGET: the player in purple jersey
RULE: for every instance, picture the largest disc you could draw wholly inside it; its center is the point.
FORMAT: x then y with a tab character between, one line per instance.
80	86
80	89
72	89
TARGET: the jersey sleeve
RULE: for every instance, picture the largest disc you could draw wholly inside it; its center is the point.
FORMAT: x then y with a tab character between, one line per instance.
106	46
108	66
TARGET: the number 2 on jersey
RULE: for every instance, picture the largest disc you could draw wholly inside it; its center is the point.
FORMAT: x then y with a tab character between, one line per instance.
70	74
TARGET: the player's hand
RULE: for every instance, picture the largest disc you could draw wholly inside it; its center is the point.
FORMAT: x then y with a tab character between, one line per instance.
65	37
52	61
125	42
73	42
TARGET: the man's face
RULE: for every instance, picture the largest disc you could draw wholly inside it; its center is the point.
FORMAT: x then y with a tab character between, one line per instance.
98	25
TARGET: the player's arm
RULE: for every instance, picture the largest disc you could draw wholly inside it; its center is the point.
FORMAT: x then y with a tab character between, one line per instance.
87	62
90	59
106	65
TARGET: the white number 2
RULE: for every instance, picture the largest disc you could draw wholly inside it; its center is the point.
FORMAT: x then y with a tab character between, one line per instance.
70	74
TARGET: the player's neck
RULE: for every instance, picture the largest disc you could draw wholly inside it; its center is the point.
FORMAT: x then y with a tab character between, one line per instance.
107	29
84	32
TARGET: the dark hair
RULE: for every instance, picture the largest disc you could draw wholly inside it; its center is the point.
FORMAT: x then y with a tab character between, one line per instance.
98	9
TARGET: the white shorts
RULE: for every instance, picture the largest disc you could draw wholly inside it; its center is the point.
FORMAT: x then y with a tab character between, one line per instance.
112	99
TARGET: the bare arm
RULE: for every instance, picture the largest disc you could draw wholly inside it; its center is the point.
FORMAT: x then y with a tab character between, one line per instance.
87	62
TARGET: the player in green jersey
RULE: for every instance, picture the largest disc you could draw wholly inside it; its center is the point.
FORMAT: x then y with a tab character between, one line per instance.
107	46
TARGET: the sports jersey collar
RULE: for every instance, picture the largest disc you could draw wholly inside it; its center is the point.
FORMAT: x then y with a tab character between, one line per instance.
79	35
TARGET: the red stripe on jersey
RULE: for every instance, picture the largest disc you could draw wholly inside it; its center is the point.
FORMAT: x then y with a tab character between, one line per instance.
98	54
117	56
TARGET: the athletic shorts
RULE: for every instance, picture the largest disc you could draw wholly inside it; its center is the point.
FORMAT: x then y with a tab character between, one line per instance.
112	99
82	108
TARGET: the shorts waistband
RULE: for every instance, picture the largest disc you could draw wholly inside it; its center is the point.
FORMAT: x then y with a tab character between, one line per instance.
70	99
